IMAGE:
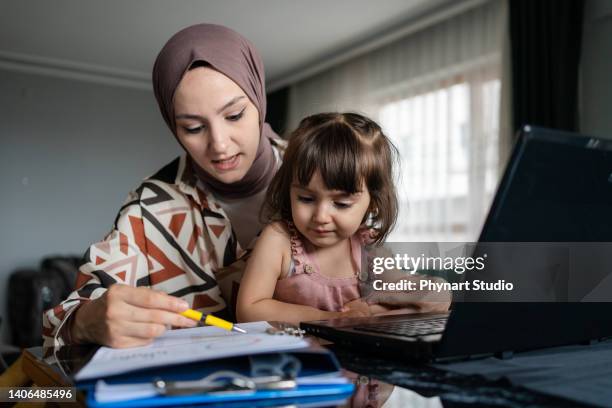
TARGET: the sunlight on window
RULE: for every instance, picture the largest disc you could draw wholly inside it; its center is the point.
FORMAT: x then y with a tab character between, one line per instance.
448	144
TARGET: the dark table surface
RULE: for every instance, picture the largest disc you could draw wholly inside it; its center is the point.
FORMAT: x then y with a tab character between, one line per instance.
390	383
399	384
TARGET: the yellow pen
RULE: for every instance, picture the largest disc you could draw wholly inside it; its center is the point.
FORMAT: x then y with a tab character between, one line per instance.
211	320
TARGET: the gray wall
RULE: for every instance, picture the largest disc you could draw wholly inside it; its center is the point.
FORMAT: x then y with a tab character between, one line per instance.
596	69
69	153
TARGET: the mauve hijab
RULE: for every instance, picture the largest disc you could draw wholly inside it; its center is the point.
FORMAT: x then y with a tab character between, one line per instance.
234	56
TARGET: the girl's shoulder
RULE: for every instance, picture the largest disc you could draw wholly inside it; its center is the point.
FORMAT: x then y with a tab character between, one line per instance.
274	242
276	232
277	229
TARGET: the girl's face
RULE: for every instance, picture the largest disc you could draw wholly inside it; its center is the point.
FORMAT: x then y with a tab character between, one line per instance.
327	217
216	123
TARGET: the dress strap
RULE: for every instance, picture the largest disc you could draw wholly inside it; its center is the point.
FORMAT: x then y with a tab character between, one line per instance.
356	247
300	261
366	237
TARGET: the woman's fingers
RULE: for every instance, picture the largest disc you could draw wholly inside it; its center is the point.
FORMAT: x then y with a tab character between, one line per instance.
142	330
144	305
147	298
127	317
140	314
135	316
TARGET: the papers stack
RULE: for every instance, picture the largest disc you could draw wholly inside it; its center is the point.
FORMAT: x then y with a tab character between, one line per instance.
186	346
210	365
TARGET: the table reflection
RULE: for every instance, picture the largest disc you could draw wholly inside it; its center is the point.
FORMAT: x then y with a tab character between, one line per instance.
380	383
372	393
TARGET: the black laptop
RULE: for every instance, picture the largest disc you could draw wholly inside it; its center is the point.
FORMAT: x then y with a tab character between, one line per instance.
557	188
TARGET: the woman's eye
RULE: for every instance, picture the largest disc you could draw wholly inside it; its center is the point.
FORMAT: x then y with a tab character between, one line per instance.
193	130
237	116
305	199
342	205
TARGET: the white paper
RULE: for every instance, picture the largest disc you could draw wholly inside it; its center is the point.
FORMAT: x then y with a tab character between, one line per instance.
186	346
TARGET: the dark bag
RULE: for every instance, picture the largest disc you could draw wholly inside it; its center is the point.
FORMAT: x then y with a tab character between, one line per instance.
31	292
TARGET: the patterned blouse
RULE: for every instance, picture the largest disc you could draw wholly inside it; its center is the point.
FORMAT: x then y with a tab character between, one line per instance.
170	236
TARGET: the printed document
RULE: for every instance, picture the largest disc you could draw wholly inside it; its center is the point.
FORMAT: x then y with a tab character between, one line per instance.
186	346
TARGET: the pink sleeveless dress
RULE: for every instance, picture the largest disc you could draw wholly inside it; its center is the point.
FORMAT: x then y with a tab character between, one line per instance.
306	285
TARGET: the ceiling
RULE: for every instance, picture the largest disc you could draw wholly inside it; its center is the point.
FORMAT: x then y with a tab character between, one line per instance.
121	38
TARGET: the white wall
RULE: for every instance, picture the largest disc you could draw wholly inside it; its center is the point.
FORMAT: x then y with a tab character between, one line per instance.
69	153
596	69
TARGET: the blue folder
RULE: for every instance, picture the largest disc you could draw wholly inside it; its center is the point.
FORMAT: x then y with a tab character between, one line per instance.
312	363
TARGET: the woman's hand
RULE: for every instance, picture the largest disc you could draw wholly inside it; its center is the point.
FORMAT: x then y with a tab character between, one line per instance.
125	316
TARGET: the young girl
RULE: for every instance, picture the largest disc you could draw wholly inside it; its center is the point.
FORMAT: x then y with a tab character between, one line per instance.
332	196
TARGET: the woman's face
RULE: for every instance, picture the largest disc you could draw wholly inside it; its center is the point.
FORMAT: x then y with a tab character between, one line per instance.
216	123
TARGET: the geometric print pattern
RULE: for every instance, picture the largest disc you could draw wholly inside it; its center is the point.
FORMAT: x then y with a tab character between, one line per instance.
170	236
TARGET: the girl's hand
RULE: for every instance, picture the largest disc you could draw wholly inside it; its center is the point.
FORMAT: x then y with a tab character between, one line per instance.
125	316
344	314
417	301
364	309
356	307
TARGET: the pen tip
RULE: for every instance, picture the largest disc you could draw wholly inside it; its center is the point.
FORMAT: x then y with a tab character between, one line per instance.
239	330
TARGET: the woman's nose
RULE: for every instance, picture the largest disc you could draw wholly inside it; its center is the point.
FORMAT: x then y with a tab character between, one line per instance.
218	140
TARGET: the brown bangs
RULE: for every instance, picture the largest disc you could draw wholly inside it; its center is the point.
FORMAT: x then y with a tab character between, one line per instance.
336	153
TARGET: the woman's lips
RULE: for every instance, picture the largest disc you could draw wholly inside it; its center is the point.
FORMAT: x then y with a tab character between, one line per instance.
227	164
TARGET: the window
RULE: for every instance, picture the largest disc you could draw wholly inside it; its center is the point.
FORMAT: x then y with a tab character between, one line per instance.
436	92
447	143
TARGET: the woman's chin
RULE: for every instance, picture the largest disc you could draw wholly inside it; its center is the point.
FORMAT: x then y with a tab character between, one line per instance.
229	177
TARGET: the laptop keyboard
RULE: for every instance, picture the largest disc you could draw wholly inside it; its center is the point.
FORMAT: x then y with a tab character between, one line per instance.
409	328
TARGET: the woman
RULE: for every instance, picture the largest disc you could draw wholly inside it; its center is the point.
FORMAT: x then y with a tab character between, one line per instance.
180	238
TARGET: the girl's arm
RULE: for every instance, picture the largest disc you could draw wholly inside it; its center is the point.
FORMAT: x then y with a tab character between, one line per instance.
378	309
401	301
263	270
416	301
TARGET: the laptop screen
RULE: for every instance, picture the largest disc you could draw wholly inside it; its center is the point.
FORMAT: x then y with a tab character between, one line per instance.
557	187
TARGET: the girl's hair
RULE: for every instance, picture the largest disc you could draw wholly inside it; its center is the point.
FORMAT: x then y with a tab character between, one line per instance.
348	150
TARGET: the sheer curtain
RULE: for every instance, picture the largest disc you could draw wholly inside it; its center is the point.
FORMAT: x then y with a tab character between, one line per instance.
436	93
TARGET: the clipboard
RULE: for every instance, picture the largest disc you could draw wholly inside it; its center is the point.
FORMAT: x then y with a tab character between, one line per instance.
308	375
185	346
58	367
